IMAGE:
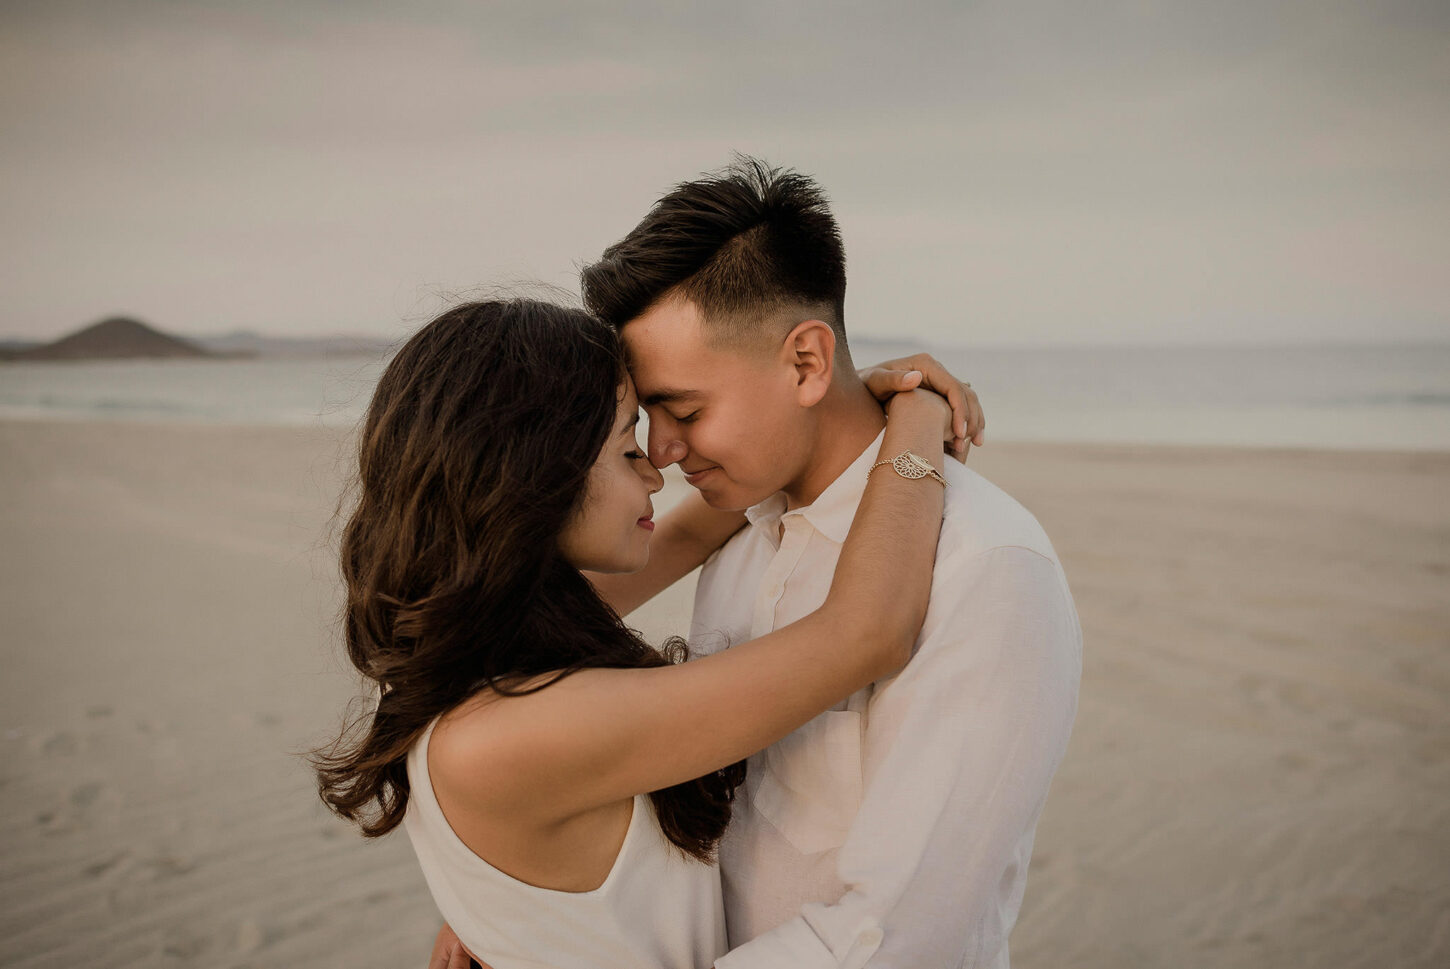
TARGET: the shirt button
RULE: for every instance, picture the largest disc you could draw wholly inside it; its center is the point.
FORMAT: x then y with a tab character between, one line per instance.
870	937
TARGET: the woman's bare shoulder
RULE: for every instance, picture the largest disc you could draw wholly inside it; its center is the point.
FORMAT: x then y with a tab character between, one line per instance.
488	746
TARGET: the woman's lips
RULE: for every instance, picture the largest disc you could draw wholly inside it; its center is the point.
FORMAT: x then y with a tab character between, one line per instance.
647	524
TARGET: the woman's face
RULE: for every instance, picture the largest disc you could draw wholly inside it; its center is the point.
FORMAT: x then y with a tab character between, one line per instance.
610	532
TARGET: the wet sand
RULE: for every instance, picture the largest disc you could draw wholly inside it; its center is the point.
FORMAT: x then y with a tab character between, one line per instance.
1260	773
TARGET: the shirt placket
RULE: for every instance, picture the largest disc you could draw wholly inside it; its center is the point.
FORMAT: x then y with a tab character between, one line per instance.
772	585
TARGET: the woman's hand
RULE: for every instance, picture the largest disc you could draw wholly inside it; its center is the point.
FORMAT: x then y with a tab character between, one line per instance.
923	371
449	952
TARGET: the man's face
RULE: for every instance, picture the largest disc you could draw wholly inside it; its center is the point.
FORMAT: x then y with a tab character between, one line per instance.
730	418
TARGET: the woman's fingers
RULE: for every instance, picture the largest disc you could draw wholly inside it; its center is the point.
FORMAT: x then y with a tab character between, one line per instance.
448	951
884	382
976	420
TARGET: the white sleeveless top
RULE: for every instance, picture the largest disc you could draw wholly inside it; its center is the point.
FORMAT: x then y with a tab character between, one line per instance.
657	909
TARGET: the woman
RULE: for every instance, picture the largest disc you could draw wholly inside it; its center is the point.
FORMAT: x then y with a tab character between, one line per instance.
563	783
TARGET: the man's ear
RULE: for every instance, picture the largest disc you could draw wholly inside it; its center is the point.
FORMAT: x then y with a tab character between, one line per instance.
810	349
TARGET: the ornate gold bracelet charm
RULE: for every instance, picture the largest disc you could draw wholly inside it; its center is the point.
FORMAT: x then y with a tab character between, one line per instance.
913	466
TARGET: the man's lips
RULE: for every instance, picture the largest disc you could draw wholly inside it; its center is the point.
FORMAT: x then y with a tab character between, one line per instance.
693	477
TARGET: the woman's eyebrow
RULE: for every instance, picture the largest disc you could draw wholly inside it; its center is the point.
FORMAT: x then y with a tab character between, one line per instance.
629	424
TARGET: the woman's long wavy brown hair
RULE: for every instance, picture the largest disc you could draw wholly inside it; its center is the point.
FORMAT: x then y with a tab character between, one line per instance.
473	457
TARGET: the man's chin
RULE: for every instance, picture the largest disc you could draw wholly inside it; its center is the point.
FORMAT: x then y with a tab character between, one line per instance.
728	499
726	505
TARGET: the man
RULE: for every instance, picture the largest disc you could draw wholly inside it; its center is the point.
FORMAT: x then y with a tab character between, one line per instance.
894	831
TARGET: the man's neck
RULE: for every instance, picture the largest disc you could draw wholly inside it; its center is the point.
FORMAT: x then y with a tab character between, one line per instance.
848	420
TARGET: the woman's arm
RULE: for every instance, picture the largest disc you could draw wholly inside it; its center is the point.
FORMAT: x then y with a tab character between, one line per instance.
683	540
602	735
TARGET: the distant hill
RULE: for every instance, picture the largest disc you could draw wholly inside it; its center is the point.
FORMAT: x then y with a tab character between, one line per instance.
116	338
125	338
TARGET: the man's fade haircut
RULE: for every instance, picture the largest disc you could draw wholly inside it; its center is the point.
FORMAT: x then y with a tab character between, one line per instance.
742	244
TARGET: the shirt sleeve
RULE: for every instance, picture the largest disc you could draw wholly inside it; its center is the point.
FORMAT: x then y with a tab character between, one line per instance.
958	753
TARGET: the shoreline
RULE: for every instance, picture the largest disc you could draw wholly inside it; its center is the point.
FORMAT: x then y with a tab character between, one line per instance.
1256	776
319	424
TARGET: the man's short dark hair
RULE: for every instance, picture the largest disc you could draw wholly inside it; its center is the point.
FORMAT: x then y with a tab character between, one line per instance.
743	244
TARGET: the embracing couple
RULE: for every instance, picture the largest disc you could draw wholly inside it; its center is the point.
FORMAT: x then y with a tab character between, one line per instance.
849	770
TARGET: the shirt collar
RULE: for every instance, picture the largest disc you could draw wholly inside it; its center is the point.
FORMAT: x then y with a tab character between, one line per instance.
833	510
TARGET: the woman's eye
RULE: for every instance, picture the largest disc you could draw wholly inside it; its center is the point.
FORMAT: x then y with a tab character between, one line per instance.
635	455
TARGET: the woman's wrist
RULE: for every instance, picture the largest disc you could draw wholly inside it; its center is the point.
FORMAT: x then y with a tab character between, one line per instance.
920	408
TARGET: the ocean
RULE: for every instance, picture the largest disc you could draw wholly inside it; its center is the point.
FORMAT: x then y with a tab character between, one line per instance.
1342	397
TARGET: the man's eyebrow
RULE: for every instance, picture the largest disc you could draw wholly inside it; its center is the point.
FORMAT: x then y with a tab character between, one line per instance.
669	397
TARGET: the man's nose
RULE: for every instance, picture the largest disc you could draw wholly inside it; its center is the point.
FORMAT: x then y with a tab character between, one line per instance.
665	449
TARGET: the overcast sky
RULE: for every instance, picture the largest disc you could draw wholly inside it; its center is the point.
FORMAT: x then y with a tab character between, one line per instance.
1044	173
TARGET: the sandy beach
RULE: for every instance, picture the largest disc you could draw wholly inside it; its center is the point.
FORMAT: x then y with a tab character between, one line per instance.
1259	775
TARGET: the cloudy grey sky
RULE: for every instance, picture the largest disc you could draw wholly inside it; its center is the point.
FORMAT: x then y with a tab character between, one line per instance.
1017	172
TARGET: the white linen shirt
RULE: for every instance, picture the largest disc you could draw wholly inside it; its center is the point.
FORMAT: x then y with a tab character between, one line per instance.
895	830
